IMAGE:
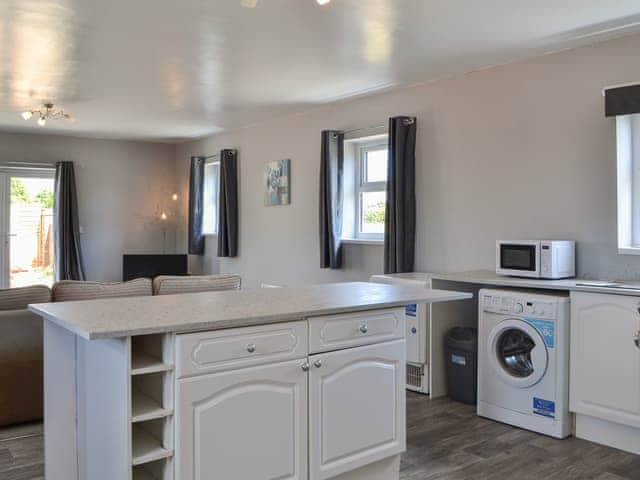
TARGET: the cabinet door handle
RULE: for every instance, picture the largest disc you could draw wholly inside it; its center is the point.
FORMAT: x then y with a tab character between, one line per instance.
251	347
364	328
305	367
636	339
317	363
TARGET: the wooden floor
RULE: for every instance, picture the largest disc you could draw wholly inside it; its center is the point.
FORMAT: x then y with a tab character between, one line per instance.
445	440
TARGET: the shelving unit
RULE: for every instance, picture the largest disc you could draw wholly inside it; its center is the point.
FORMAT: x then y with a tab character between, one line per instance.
144	408
151	409
142	474
146	447
142	364
150	471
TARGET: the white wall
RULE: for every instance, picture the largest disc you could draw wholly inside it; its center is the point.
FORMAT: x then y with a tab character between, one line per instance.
518	151
120	186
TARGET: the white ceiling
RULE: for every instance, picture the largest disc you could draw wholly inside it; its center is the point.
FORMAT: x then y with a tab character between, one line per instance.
175	69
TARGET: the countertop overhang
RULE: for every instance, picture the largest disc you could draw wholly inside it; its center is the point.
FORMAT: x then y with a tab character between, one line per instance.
492	279
123	317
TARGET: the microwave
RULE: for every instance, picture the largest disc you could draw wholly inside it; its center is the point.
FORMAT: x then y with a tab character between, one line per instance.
550	259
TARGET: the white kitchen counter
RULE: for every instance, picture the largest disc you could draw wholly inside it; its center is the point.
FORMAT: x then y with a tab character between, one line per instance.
124	317
137	387
490	278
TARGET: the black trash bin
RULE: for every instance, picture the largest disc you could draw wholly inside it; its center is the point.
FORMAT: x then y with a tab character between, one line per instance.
461	348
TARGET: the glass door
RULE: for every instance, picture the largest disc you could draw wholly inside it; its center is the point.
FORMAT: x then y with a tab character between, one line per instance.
26	200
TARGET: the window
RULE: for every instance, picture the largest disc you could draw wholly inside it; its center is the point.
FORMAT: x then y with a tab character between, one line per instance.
211	192
364	186
371	190
628	145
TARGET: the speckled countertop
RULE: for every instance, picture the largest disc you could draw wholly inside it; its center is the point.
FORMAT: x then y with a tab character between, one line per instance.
123	317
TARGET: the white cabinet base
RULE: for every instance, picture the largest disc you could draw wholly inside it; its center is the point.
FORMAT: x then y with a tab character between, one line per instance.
387	469
607	433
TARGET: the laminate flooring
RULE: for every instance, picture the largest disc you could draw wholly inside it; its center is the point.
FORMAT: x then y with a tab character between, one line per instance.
445	440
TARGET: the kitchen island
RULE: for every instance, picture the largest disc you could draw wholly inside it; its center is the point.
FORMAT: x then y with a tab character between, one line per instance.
289	383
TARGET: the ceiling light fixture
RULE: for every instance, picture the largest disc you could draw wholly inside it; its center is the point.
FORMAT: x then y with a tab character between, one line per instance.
46	112
322	2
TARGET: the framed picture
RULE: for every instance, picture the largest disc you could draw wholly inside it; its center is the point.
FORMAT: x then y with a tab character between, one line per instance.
277	183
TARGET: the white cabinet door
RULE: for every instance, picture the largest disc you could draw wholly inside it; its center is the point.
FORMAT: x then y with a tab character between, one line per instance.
243	424
356	407
605	361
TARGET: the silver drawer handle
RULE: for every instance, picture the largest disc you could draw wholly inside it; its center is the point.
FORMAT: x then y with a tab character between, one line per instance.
636	339
305	367
364	328
317	363
251	347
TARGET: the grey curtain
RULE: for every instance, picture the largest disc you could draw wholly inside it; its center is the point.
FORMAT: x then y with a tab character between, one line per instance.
331	198
196	204
68	253
400	212
228	204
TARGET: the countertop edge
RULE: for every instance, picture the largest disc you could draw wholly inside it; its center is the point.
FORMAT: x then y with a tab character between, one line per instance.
488	278
39	309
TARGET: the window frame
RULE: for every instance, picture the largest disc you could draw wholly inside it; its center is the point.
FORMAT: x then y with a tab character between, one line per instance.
216	200
363	186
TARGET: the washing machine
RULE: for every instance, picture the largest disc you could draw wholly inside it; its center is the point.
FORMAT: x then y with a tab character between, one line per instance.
523	360
418	330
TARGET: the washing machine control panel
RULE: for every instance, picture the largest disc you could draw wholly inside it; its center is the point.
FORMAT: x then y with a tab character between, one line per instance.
518	306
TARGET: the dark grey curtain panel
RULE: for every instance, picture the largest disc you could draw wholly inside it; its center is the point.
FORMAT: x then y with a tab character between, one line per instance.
331	198
68	253
228	205
196	205
400	217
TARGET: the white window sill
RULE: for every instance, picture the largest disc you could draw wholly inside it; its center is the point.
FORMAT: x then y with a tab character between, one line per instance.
629	250
362	241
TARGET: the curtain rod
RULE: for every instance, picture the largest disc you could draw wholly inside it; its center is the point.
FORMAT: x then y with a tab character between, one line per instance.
27	165
611	87
408	121
372	127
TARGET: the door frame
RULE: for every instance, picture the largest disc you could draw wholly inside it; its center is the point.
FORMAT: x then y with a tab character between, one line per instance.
6	174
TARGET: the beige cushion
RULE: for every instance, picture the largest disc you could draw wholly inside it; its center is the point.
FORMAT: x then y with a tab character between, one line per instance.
70	290
167	285
19	298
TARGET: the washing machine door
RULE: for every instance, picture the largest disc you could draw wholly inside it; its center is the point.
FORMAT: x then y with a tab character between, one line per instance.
517	353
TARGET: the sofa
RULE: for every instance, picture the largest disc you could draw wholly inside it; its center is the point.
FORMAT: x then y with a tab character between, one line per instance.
21	354
168	284
21	369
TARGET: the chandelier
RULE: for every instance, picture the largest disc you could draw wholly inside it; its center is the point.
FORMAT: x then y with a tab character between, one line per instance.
46	112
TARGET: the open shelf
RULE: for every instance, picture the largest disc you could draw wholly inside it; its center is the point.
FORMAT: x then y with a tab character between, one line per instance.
143	363
146	408
151	407
140	473
158	470
146	447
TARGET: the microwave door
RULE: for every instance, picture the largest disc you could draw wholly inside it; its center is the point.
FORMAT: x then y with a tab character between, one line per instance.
519	259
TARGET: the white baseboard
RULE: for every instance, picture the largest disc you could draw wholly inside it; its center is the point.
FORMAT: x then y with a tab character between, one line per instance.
608	433
387	469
